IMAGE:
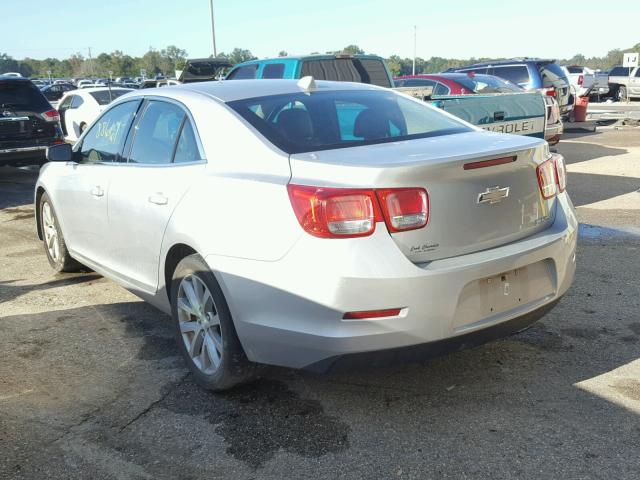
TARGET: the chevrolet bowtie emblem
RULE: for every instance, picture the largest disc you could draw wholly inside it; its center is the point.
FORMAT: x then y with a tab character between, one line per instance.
493	195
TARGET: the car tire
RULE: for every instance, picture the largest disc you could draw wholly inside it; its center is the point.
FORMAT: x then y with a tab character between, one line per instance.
622	94
55	246
205	331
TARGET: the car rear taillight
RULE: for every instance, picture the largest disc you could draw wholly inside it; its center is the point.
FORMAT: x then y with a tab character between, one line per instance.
561	172
549	92
580	79
547	178
404	208
335	212
346	213
51	116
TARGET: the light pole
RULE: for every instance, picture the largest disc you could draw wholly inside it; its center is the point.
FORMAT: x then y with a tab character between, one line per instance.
415	28
213	29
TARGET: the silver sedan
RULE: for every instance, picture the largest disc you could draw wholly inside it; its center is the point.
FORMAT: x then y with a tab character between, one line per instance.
313	225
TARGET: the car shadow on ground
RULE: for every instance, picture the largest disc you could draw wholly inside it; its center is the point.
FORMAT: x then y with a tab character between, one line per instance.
594	188
16	186
584	151
10	291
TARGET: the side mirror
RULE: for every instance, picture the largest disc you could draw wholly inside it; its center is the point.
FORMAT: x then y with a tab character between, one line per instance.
60	153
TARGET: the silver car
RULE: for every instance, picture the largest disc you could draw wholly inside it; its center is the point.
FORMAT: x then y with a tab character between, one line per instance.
315	225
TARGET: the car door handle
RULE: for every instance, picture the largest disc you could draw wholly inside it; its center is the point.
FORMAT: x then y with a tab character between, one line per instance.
97	191
158	199
498	116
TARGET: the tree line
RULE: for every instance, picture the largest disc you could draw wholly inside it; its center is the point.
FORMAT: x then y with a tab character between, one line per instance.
165	61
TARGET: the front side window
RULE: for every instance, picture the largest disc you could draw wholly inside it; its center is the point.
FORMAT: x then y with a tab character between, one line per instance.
156	133
77	101
273	70
104	141
105	97
324	120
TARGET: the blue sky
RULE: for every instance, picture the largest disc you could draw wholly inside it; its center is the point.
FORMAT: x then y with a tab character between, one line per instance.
458	28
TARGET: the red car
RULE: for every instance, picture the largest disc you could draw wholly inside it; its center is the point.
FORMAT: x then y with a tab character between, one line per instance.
458	83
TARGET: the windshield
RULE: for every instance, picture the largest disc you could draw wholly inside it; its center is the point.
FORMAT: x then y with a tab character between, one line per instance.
487	84
103	97
300	122
22	96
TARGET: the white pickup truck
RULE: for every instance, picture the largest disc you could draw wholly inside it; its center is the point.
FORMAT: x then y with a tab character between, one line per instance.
624	82
587	81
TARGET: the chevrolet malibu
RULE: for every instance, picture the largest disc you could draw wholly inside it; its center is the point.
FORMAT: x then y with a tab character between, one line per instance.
315	225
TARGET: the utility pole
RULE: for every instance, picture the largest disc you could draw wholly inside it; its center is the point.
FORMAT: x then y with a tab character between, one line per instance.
415	28
90	62
213	30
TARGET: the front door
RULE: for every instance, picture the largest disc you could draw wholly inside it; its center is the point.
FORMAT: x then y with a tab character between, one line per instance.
164	159
82	192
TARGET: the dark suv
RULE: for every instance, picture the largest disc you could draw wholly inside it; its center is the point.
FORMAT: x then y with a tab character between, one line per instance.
28	123
530	74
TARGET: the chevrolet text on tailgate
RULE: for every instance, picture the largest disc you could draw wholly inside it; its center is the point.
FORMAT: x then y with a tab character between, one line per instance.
388	229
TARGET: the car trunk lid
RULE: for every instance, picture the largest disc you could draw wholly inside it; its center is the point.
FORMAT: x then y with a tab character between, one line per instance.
471	209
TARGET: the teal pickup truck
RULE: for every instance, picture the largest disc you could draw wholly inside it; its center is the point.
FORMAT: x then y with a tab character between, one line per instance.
523	113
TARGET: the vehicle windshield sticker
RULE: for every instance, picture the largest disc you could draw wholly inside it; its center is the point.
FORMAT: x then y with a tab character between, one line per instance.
109	130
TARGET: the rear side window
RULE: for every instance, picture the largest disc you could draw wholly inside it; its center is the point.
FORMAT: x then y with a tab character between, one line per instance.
553	75
16	95
619	72
479	70
243	73
273	70
104	141
441	89
518	74
187	148
324	120
157	133
358	70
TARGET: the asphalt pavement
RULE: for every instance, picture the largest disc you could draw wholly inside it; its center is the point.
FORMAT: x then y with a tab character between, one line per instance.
92	385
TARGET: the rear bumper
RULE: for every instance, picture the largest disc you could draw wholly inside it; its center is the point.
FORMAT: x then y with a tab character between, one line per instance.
290	312
552	133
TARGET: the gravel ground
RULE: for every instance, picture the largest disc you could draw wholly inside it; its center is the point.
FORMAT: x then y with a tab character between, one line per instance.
92	386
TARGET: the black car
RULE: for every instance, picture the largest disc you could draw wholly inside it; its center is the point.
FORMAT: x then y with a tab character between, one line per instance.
28	123
54	92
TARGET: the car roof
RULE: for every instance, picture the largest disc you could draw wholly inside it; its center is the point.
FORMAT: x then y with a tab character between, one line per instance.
15	79
309	57
508	61
230	90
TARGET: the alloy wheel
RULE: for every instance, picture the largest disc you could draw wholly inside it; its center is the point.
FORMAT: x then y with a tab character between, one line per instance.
200	324
50	232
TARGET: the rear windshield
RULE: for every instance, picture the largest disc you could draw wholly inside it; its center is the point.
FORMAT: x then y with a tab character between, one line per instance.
360	70
22	95
300	122
574	69
553	75
619	72
487	84
104	97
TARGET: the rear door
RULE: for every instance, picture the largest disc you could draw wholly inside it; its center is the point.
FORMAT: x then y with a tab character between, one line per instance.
164	158
634	84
